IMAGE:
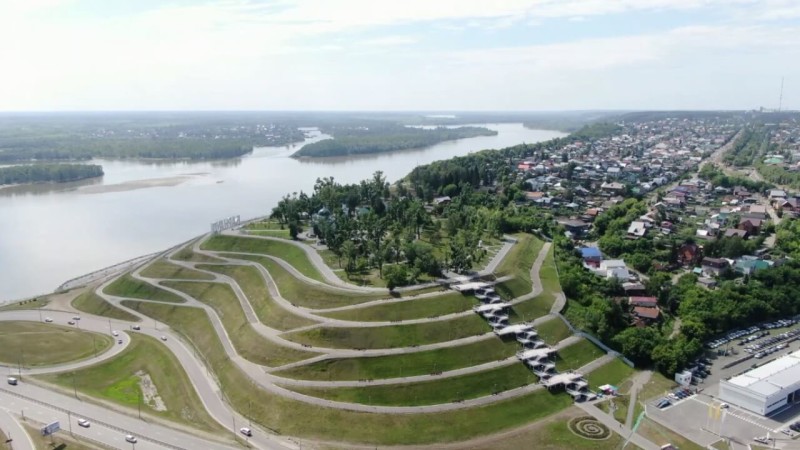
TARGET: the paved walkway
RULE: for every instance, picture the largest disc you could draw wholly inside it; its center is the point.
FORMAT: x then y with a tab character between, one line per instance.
639	380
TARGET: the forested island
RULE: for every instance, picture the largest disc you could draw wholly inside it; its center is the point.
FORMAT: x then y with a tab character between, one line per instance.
48	173
381	138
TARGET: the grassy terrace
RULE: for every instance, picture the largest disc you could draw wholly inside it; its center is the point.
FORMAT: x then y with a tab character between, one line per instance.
661	435
440	305
518	263
116	381
254	287
290	253
553	331
32	344
577	355
248	343
542	303
187	254
446	390
291	417
614	372
164	269
127	286
392	336
404	365
91	303
308	295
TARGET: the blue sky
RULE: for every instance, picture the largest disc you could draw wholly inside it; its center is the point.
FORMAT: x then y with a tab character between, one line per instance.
398	55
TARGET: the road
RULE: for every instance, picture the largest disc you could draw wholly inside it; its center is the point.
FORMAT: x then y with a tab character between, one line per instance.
12	428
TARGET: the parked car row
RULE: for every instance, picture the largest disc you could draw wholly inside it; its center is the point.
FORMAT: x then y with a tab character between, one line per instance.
795	427
731	336
768	351
755	330
767	343
680	394
779	324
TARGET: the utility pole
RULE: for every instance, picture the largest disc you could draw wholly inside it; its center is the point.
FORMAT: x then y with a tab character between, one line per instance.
139	404
74	385
69	420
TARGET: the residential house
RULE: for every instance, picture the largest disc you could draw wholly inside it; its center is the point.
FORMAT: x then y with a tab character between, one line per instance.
645	316
689	254
614	268
591	256
575	228
735	232
746	265
776	195
648	302
633	289
637	229
714	266
752	226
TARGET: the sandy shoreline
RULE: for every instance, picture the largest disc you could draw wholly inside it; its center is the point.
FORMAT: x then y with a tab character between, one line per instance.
137	184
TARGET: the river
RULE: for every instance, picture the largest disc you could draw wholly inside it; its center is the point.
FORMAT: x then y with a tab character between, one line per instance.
52	233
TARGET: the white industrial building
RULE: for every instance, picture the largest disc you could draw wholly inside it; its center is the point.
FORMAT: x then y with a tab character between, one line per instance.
766	389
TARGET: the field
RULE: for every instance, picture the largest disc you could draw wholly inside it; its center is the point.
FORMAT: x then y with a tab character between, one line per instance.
404	365
518	263
127	286
290	253
542	303
62	439
447	303
446	390
614	373
91	303
248	343
32	344
33	303
116	381
577	355
661	435
392	336
553	331
269	312
187	254
168	270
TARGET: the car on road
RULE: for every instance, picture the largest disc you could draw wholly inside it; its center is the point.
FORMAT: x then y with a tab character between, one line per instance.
724	406
115	333
130	438
137	327
84	423
48	320
119	341
12	381
163	338
71	322
76	318
246	431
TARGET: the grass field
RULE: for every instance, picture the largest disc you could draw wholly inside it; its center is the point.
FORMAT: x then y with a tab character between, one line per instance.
127	286
269	312
392	336
62	439
661	435
290	253
614	373
655	387
168	270
446	390
553	331
187	254
309	295
286	416
518	263
34	344
91	303
542	303
116	381
552	433
447	303
34	303
409	364
248	343
577	355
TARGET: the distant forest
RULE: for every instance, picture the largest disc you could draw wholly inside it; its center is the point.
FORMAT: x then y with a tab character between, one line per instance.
48	173
382	137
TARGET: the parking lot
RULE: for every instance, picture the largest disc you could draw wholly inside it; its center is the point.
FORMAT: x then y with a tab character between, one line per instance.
693	417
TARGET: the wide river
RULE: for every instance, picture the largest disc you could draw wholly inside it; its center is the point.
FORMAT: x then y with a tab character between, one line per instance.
52	233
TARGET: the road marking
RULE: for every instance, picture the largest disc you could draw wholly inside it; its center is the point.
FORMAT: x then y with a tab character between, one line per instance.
734	415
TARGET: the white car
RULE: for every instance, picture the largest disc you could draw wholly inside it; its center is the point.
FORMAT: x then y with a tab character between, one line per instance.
84	423
48	320
163	338
137	327
246	431
115	333
131	439
76	318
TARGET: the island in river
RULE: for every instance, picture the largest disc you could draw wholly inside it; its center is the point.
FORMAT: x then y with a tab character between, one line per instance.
384	137
48	173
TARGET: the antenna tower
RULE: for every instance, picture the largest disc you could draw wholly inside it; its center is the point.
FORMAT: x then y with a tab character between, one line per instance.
780	99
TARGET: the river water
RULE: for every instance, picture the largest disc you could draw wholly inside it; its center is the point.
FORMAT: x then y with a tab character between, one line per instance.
52	233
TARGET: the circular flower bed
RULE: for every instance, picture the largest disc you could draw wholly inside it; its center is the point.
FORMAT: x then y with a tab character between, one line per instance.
589	428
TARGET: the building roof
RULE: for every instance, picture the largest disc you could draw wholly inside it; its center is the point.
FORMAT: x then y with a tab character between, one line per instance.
513	329
591	252
612	263
491	307
645	312
772	377
562	378
535	353
643	301
466	287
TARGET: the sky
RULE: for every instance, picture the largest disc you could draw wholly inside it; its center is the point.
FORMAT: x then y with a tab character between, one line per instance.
433	55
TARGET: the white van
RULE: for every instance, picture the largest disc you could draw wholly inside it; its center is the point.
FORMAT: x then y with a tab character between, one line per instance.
12	381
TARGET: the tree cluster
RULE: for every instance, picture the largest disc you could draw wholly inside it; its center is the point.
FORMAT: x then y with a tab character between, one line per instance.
48	173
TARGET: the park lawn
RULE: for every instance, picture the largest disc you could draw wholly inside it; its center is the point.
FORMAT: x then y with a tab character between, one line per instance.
91	303
446	390
269	312
541	304
308	295
246	340
614	373
282	234
167	270
553	331
552	433
287	251
34	303
657	386
32	344
404	365
291	417
622	403
187	254
127	286
661	435
440	305
517	264
115	380
577	355
391	336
